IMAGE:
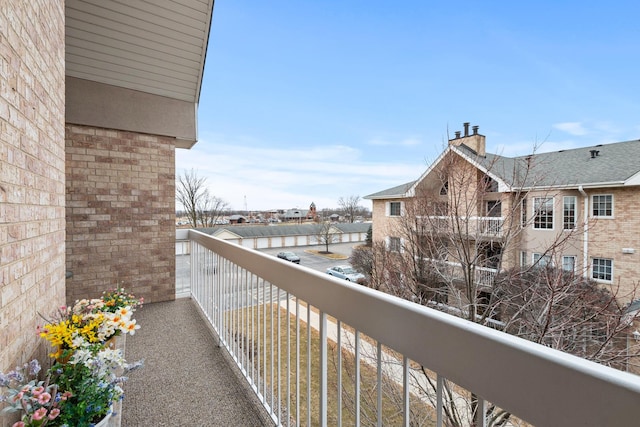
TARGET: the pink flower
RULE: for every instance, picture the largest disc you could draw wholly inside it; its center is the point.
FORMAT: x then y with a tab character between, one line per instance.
18	424
39	414
66	395
44	398
54	413
37	391
18	396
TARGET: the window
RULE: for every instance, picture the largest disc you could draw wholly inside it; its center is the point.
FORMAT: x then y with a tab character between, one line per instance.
523	259
602	205
569	263
569	213
602	269
523	218
395	244
394	208
490	185
540	260
444	190
543	208
494	208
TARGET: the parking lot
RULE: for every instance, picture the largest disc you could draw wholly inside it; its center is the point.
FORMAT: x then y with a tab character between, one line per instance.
318	262
307	259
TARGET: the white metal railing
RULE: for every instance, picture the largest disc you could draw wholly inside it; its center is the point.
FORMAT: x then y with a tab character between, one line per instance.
483	276
363	350
481	225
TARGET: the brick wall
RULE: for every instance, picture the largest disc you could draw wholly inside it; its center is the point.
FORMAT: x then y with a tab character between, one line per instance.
32	215
120	213
608	238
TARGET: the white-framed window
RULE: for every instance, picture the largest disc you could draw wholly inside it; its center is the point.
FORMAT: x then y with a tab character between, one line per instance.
540	260
602	205
394	208
394	244
569	212
523	216
523	259
602	269
569	263
543	209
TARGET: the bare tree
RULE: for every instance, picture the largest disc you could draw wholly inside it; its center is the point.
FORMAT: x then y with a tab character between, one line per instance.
325	234
350	206
454	237
201	207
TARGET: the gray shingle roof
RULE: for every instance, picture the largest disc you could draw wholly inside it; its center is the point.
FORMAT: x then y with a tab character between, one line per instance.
397	191
614	164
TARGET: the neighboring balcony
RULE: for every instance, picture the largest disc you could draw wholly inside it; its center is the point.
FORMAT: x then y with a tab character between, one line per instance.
474	226
317	350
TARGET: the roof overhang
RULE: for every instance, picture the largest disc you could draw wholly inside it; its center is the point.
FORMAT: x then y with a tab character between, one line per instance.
137	65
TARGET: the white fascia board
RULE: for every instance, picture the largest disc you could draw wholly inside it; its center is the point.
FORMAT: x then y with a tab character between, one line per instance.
503	187
412	190
633	180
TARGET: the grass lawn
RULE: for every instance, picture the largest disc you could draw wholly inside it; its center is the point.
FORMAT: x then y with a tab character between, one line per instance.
261	344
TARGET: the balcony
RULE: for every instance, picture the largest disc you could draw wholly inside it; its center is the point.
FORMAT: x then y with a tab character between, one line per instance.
485	227
309	349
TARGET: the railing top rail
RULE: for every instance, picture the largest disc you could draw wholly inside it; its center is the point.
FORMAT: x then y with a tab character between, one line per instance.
537	384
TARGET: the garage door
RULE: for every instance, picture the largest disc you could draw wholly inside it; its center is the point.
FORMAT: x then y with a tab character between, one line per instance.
248	243
289	241
263	242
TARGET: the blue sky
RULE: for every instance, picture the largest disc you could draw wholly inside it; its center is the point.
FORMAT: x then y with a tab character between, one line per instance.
310	101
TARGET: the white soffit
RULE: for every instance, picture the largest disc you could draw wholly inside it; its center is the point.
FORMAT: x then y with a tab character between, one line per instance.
152	46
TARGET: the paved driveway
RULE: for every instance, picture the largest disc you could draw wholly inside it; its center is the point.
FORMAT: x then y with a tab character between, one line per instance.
318	262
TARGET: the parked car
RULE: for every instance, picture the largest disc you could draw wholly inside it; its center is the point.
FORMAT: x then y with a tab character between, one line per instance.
289	256
346	272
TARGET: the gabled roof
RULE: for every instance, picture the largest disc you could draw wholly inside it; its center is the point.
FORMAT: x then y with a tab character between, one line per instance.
392	193
616	164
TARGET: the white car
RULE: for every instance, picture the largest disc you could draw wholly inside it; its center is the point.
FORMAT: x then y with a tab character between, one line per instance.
346	272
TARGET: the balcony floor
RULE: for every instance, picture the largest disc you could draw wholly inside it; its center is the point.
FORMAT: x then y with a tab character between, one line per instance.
187	379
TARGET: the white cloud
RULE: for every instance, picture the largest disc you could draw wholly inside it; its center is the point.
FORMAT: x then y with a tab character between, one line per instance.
572	128
279	177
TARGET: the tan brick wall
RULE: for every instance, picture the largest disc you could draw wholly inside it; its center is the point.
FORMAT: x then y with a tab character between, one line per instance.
32	215
608	237
120	213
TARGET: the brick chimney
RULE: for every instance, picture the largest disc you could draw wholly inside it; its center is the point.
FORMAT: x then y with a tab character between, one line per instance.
475	141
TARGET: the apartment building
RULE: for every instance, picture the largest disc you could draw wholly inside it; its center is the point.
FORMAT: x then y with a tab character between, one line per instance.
95	97
576	209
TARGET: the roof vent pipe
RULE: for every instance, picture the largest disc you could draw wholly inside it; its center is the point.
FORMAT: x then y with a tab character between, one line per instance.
466	129
475	130
457	134
594	153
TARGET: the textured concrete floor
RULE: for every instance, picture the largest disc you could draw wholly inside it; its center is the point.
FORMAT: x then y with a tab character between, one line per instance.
187	380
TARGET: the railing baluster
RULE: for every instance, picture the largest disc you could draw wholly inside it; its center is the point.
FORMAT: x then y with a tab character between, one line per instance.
406	415
339	374
439	402
272	347
323	369
297	361
279	367
309	400
357	378
379	380
481	413
288	367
